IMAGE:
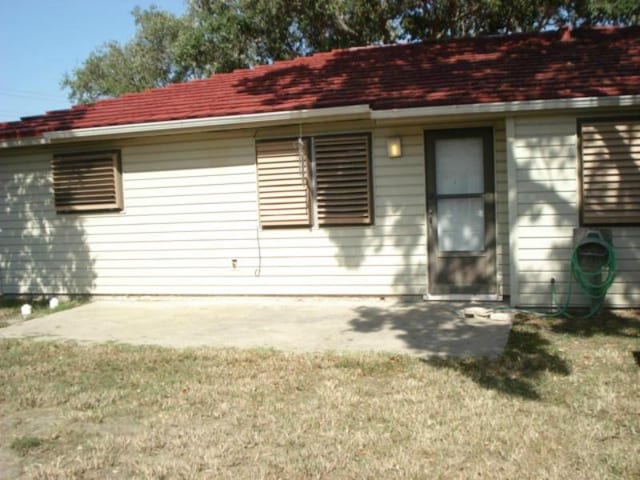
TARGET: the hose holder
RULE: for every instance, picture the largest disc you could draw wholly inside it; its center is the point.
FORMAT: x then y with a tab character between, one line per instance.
592	249
593	264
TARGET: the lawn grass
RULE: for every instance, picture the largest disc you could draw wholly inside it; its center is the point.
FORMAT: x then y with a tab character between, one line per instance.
563	401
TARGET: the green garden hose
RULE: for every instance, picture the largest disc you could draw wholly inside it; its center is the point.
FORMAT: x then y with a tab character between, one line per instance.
594	284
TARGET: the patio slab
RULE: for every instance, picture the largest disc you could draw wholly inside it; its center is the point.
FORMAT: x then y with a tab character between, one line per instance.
306	324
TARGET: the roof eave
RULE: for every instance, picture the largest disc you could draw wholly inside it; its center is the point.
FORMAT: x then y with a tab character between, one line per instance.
525	106
352	112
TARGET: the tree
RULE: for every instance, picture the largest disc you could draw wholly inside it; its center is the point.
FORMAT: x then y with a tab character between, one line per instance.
148	60
216	36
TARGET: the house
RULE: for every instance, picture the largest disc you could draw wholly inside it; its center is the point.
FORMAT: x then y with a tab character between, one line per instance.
453	169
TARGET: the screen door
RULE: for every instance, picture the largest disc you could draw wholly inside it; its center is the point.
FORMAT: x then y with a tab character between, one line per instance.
461	211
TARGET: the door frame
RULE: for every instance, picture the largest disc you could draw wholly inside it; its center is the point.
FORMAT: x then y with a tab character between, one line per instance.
487	133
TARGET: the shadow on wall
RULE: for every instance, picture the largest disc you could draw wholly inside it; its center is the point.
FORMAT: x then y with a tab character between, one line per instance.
470	79
394	243
41	252
548	190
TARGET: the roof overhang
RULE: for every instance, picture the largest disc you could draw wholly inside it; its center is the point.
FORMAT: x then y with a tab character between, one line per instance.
353	112
526	106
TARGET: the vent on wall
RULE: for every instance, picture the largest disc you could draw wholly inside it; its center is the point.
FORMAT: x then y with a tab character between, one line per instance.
343	180
283	178
610	172
86	182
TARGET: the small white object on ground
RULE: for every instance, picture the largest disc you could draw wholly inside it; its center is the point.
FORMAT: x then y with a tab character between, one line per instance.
53	303
477	312
502	316
25	310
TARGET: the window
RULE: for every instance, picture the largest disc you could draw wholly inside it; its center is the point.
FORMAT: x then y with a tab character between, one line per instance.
610	171
283	183
336	180
86	182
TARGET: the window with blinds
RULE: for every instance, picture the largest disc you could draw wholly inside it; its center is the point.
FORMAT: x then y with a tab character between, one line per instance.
87	182
283	183
343	180
610	171
340	185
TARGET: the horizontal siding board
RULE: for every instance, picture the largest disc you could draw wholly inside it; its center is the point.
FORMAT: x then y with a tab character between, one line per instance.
541	208
613	300
545	127
550	186
550	197
217	274
175	261
177	188
196	242
547	174
214	202
542	288
250	279
223	289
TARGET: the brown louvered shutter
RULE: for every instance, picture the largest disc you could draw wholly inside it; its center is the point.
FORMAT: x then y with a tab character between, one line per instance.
610	172
343	185
283	183
87	182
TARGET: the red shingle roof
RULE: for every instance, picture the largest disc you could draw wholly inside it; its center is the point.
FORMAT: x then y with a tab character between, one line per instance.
582	63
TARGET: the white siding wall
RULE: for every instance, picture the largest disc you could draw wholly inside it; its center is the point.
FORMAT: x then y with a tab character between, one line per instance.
544	197
190	208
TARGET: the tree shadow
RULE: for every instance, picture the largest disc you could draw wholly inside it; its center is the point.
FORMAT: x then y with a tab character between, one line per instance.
495	356
434	328
516	372
457	72
42	252
613	323
528	355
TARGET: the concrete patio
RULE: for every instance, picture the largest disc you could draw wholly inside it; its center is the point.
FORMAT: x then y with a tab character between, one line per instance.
305	324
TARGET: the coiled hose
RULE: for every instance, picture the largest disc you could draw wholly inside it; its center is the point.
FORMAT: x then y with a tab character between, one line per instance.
594	283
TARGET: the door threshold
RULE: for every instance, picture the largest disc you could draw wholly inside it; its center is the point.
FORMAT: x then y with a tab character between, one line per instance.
464	297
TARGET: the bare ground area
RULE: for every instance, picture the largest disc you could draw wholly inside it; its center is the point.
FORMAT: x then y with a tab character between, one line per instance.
562	401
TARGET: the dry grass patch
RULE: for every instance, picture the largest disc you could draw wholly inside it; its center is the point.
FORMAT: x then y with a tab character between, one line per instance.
562	402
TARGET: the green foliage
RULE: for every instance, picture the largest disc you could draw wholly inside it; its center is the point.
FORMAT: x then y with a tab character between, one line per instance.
216	36
148	60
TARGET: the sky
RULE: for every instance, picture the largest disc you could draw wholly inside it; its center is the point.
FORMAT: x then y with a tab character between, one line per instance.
41	40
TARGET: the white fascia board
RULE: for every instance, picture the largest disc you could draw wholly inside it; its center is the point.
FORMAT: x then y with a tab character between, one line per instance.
237	121
508	107
22	142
